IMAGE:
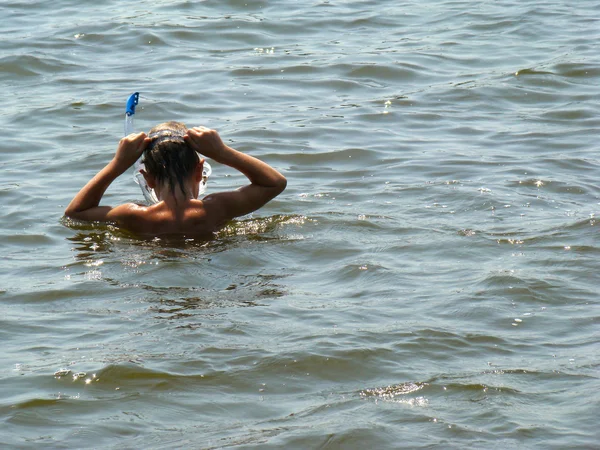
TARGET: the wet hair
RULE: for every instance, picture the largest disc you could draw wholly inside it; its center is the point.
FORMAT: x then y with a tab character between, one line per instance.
168	158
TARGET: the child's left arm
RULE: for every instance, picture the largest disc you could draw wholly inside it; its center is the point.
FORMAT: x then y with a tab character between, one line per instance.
85	205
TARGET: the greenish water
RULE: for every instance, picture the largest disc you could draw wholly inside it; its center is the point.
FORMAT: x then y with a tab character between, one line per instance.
428	279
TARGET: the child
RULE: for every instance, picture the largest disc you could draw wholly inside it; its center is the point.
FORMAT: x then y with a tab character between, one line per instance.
173	170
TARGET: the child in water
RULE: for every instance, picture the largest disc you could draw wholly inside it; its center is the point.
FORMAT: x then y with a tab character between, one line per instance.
174	169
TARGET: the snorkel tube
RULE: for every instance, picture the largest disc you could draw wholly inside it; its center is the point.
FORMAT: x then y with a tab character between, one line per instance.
147	191
132	102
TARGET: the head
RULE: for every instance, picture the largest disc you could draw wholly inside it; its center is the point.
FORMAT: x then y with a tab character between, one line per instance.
169	161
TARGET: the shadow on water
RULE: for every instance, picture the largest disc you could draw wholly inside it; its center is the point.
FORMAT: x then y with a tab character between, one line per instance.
184	303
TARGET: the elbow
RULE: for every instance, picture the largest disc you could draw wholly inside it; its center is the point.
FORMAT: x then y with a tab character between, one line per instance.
281	184
72	212
69	212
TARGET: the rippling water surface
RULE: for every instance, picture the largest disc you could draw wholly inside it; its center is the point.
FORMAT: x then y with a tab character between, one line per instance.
428	279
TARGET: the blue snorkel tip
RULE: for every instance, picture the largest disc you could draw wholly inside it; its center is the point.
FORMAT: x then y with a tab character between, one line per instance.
132	101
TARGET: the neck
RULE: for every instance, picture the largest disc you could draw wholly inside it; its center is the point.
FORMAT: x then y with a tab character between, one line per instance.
175	199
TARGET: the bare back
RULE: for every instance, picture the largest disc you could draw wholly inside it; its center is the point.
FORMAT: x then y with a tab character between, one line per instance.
196	218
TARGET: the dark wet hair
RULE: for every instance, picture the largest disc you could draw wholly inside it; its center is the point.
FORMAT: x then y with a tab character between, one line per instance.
168	157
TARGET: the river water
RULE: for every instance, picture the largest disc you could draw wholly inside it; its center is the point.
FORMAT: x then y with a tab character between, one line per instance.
429	279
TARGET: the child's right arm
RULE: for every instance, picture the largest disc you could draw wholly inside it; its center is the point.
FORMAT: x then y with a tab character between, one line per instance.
86	204
266	183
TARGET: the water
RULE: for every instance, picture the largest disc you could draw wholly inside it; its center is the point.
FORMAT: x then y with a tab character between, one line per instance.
428	279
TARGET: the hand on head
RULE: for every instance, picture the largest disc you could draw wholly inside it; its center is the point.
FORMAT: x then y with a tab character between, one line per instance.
205	141
130	149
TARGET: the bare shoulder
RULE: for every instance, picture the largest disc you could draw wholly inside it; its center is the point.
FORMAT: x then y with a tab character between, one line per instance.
128	215
145	220
221	207
106	213
230	204
127	210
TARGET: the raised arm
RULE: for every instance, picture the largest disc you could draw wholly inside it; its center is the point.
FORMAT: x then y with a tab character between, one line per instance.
85	205
266	183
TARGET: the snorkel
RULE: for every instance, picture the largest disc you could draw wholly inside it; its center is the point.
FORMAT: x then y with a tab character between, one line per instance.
132	102
147	191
